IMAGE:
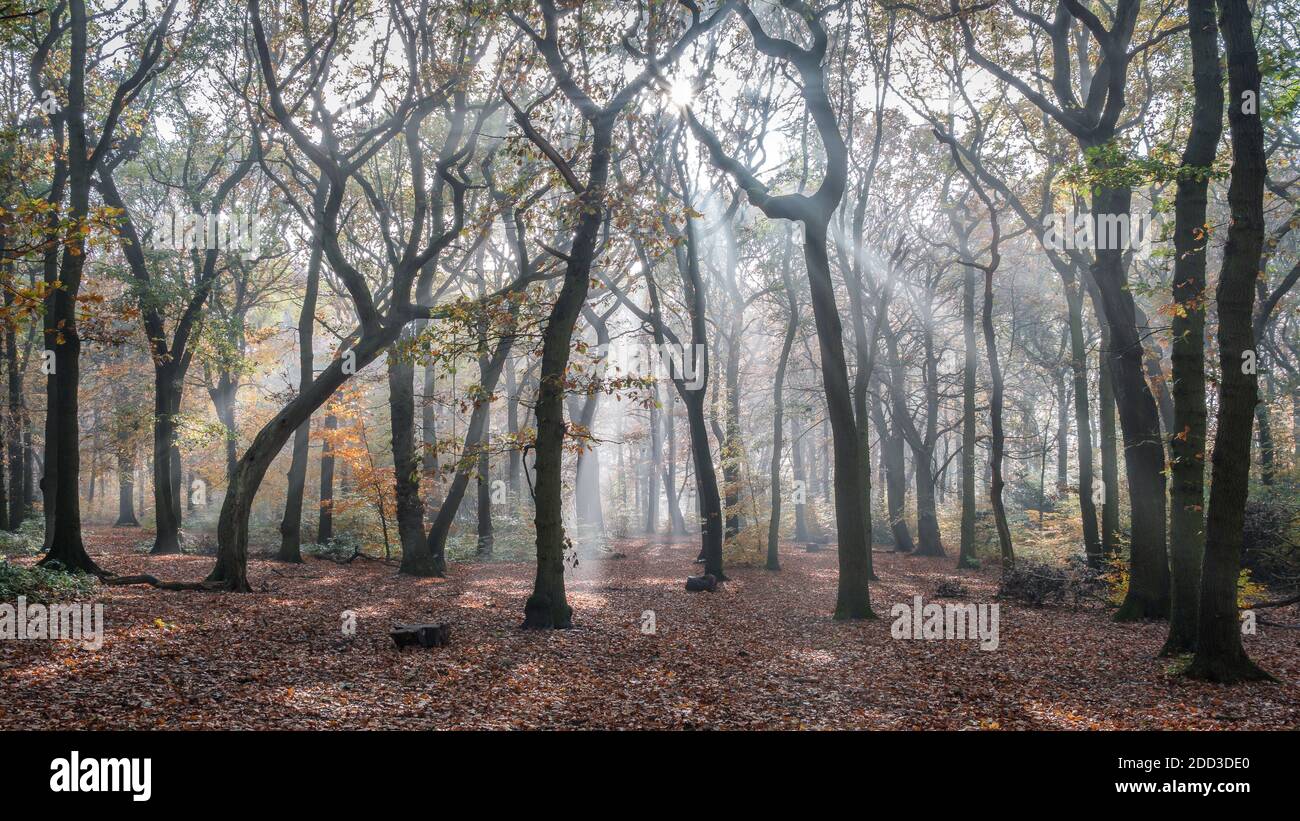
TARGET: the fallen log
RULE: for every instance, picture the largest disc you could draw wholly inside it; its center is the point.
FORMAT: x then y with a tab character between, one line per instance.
696	584
425	635
145	578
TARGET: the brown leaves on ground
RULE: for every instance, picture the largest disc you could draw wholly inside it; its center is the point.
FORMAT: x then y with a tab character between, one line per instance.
762	652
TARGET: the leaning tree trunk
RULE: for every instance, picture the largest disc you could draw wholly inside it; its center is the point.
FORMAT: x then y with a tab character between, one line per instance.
475	438
1219	654
231	569
1187	439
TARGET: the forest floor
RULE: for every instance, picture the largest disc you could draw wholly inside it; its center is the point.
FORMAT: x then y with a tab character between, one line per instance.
761	652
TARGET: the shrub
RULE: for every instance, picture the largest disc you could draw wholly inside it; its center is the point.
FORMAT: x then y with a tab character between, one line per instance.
748	548
1271	539
42	584
340	548
1040	584
950	589
27	540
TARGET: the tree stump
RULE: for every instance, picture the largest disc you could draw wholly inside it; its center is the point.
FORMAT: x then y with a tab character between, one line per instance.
695	584
425	635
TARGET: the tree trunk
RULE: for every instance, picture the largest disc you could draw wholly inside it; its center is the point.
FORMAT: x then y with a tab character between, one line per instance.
677	523
231	569
1219	654
291	524
483	475
1144	454
853	599
14	420
996	438
475	438
778	425
801	533
706	483
325	525
1109	456
1187	438
125	491
968	430
891	455
416	559
1092	542
548	607
1062	434
512	427
1267	467
654	468
732	450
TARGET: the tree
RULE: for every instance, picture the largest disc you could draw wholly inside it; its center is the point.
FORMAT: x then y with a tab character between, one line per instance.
1219	655
814	211
547	607
86	153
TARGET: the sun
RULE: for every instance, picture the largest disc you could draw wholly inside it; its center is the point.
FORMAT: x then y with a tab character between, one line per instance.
680	92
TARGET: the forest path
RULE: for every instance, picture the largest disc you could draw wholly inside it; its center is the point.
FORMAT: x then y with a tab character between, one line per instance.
762	652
